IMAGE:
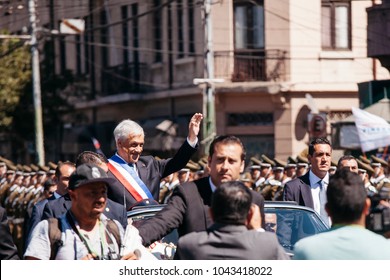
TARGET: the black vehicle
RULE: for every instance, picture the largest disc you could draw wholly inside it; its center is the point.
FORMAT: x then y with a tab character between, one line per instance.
290	222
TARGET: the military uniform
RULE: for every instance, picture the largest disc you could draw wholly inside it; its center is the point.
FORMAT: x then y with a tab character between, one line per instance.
379	179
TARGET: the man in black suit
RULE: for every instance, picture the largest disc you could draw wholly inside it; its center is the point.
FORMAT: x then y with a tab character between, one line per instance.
229	238
310	189
8	250
187	209
138	177
62	174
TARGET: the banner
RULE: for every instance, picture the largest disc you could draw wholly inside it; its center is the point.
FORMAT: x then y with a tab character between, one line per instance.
373	131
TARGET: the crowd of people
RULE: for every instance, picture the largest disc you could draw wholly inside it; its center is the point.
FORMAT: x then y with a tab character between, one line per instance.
78	210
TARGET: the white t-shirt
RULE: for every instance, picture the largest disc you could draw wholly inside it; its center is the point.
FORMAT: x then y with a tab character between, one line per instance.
73	247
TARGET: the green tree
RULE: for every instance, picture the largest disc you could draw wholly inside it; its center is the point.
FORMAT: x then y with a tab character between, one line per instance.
15	69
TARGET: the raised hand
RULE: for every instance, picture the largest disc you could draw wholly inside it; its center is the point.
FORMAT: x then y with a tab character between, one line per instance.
194	126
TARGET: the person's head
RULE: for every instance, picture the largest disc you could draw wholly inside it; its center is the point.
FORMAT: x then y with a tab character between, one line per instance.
231	203
129	138
62	175
363	175
347	198
271	223
301	169
246	178
41	177
226	159
290	170
348	162
320	155
3	168
49	187
255	172
265	170
88	191
92	158
278	173
378	169
183	175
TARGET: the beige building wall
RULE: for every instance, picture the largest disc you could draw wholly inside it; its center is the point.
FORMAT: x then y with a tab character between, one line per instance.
291	26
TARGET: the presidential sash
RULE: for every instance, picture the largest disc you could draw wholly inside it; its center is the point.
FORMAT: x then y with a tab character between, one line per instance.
126	175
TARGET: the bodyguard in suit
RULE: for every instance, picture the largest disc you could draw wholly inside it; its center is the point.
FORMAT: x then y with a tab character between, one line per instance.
187	209
62	175
231	237
8	250
310	189
138	177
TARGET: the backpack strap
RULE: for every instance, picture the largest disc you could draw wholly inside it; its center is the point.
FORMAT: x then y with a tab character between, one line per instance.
112	228
54	236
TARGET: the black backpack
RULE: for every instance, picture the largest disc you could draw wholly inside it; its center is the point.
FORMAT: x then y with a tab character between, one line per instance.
55	235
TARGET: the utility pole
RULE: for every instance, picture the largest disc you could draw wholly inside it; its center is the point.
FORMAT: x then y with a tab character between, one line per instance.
36	84
208	128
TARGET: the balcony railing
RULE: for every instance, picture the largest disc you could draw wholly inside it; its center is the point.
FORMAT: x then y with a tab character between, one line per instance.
250	65
127	78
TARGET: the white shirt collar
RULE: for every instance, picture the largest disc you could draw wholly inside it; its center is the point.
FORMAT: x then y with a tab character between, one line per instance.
314	178
213	187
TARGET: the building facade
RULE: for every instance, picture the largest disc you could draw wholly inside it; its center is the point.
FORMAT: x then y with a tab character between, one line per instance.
138	59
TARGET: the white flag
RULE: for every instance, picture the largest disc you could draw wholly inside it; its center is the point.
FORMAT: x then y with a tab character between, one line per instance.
373	131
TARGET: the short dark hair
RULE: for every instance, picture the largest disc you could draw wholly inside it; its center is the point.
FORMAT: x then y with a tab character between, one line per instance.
231	203
317	141
60	165
90	157
345	157
346	196
226	139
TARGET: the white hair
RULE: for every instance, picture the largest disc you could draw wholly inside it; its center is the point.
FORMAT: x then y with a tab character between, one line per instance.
127	128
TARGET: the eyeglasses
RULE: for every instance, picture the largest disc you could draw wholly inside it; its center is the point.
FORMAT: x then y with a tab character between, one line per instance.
51	192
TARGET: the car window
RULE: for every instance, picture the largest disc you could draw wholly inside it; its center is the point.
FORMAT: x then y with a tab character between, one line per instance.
293	224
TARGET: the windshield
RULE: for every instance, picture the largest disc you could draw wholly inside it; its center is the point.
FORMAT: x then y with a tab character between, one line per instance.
292	225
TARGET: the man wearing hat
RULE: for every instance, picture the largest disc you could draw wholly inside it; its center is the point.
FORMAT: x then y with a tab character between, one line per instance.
85	233
266	172
56	208
3	171
365	172
169	184
379	177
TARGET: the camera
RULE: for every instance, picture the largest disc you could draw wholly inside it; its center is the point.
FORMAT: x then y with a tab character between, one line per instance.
378	219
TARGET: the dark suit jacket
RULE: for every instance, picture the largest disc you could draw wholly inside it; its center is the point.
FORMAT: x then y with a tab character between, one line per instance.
56	208
8	250
299	190
187	210
33	218
230	242
151	171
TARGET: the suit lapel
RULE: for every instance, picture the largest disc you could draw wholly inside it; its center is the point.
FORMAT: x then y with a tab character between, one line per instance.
306	191
142	171
204	190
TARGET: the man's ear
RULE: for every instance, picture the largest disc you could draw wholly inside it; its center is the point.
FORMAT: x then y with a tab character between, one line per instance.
242	166
72	194
249	216
367	206
211	214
